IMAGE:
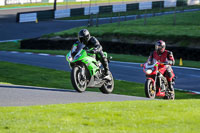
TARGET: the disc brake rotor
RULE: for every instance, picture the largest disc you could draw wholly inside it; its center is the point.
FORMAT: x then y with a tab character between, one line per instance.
152	91
80	80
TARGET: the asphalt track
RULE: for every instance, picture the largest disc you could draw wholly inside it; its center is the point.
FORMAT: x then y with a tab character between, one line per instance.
11	30
188	78
15	95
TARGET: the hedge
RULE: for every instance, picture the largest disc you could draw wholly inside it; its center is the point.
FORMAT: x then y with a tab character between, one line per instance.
112	47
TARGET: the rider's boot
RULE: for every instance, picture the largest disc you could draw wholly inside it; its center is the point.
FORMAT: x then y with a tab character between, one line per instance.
106	68
171	87
107	75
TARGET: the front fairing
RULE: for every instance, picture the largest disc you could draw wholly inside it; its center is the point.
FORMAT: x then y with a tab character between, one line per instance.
150	68
78	54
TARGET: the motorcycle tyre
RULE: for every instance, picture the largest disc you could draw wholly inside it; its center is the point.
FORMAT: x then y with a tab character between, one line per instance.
170	96
147	88
74	74
104	88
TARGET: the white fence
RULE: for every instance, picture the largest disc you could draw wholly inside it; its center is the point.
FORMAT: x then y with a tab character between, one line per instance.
91	10
62	13
145	5
119	8
193	2
2	2
7	2
28	17
170	3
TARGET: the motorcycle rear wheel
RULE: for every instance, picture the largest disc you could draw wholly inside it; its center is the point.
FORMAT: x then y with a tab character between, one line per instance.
77	82
108	86
150	92
170	96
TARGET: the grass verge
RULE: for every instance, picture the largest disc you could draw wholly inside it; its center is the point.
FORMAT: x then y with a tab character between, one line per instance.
42	77
185	33
15	46
159	116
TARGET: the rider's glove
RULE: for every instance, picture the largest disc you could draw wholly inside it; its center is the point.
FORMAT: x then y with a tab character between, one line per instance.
169	62
92	51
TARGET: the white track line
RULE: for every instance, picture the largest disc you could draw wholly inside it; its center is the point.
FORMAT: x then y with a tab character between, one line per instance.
11	40
130	63
119	62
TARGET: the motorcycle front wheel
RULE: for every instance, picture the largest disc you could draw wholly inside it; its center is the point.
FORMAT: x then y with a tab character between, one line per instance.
78	82
108	86
150	92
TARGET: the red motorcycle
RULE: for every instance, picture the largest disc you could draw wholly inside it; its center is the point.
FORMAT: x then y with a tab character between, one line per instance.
156	82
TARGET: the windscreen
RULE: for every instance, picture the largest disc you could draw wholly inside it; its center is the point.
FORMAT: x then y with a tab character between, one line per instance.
77	49
151	62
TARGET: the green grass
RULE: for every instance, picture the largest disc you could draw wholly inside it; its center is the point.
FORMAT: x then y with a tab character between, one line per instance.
19	74
13	46
180	116
185	33
160	116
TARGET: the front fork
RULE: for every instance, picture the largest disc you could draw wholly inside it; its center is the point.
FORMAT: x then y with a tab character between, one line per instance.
82	71
158	79
154	82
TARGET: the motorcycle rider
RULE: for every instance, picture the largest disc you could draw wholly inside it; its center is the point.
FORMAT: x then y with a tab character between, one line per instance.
91	42
166	57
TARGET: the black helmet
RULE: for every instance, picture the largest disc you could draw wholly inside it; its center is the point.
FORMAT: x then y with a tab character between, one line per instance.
160	46
83	36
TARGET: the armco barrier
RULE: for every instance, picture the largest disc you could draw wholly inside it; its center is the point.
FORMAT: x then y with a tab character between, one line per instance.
157	4
44	15
113	47
33	16
132	7
91	10
105	9
50	14
170	3
181	3
62	13
145	5
77	12
27	17
119	8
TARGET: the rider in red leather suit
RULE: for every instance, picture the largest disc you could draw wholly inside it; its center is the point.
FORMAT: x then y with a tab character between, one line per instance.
166	57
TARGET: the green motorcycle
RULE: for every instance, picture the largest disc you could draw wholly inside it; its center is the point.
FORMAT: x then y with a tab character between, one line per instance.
87	72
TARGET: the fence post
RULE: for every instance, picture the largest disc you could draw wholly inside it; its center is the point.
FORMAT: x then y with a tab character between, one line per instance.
174	21
145	17
125	16
90	22
97	20
54	6
111	17
119	18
